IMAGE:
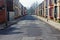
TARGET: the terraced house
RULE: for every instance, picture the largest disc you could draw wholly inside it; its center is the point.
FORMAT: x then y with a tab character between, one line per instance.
6	6
53	9
58	4
2	11
10	9
40	9
45	8
50	9
16	8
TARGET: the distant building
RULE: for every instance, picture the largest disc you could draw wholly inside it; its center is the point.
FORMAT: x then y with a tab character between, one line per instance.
18	8
40	9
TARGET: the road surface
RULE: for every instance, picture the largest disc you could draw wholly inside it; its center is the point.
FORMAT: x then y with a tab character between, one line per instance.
30	28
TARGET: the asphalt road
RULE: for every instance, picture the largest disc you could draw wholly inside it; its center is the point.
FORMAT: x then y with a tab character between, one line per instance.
30	28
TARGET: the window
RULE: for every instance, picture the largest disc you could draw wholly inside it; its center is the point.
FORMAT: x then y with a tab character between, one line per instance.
2	7
55	1
55	12
50	2
55	9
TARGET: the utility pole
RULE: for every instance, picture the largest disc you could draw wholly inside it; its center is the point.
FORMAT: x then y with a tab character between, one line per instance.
6	13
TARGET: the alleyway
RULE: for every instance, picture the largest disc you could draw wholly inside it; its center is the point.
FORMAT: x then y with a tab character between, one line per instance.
30	28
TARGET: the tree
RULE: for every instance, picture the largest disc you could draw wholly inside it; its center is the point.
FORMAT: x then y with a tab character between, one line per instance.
32	8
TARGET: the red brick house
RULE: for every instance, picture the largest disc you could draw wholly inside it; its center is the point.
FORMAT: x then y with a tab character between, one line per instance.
2	11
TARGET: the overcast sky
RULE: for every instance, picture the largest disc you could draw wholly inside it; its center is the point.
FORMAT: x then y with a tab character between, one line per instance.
28	3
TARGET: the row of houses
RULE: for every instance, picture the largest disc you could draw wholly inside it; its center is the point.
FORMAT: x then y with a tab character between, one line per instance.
49	9
11	10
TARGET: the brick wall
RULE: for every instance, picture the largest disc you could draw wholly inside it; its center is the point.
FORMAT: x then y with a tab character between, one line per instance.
2	12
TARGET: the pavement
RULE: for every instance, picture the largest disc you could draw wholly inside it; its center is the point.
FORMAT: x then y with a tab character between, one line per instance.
9	23
30	28
50	22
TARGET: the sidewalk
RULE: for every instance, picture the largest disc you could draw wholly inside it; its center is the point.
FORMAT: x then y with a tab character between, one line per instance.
2	26
50	22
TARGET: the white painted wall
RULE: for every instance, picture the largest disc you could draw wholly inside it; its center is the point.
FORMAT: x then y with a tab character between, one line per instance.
11	16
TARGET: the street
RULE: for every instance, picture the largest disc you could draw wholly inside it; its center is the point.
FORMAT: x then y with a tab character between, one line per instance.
30	28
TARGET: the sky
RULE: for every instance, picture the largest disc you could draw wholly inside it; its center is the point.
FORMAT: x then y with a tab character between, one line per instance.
28	3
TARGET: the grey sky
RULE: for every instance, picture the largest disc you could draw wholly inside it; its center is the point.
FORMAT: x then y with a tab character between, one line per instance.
28	3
